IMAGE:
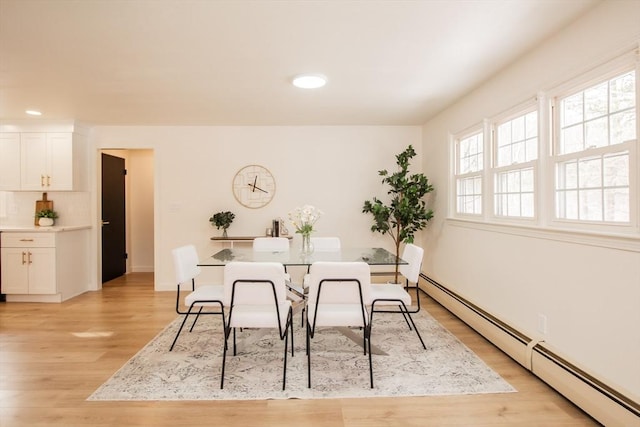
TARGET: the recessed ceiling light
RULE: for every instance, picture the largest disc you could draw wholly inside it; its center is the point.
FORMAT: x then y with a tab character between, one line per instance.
33	113
309	81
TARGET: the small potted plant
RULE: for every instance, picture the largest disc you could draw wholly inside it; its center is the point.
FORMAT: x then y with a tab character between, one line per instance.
46	217
222	219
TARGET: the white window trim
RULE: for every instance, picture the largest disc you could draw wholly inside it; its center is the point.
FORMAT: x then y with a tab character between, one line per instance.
627	62
544	225
522	108
454	139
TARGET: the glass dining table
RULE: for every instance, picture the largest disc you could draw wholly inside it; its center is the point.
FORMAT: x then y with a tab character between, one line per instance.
295	258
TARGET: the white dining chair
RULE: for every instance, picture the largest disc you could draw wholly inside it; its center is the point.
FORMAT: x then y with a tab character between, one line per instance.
325	244
279	244
384	297
271	244
338	293
202	298
320	244
255	294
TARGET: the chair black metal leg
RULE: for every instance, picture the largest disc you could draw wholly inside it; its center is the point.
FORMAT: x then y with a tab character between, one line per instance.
224	358
364	342
284	369
180	330
370	356
308	356
405	317
234	341
291	328
196	319
415	327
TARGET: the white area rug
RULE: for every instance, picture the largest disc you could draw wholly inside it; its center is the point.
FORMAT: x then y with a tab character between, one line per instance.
339	367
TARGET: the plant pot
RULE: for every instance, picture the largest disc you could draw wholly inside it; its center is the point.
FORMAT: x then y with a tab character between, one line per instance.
45	222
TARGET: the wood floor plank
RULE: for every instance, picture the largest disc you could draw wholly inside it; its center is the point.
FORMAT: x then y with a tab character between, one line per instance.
53	356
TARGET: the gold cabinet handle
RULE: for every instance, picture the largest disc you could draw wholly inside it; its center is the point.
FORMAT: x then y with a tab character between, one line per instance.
41	180
29	258
23	260
48	181
26	240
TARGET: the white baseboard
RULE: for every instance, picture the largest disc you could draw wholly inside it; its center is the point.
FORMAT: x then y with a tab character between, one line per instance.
142	269
604	403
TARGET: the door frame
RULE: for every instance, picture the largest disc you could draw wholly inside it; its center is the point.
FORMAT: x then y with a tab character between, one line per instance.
97	210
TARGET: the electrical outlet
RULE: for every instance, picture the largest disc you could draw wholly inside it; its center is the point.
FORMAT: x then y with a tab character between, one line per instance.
542	323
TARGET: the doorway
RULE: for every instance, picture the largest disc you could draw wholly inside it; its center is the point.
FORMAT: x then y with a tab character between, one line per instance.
127	248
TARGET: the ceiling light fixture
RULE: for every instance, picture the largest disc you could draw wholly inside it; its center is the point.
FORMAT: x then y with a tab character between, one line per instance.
309	81
33	113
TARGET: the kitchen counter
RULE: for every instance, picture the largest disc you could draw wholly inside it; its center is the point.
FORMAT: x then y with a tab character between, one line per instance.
38	229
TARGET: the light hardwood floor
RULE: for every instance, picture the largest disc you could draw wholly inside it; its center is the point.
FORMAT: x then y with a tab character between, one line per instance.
53	356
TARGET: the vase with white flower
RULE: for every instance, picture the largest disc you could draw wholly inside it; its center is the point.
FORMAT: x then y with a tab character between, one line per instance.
303	219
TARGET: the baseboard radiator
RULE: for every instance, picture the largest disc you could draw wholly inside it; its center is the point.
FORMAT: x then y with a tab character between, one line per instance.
605	404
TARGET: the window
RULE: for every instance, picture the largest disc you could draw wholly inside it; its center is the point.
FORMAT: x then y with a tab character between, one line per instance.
516	149
597	128
566	161
469	167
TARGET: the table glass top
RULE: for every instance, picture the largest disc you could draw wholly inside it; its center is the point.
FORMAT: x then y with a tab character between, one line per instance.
372	256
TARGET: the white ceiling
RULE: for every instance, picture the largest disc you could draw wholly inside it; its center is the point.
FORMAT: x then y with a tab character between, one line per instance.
206	62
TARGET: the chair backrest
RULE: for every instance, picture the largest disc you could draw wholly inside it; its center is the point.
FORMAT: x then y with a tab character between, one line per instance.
271	244
185	263
413	255
339	292
258	293
325	244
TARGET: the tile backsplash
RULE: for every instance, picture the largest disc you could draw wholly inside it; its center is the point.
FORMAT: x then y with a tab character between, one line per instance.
17	208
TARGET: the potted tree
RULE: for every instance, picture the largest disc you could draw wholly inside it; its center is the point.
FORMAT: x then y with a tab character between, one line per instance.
222	220
46	217
407	211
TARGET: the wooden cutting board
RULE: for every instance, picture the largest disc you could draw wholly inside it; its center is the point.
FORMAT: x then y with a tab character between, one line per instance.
43	204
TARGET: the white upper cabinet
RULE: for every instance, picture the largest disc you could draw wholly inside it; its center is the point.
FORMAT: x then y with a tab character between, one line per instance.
9	161
47	161
42	161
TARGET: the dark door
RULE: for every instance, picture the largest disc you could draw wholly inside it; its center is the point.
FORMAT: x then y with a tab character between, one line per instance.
114	252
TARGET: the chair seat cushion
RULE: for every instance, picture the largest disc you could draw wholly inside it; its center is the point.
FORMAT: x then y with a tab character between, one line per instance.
259	316
337	315
389	292
205	293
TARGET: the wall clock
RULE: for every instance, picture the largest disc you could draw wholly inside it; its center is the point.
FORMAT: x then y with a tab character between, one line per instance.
254	186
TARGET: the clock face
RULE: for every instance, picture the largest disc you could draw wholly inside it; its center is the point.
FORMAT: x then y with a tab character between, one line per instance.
254	186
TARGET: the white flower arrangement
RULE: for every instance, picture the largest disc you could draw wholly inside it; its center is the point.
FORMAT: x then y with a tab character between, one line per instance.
304	218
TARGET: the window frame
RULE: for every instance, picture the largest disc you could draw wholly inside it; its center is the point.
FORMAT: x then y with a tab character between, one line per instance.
544	224
456	176
599	75
521	110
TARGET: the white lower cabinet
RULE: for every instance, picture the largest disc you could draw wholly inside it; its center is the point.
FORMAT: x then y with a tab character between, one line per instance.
41	267
29	271
28	263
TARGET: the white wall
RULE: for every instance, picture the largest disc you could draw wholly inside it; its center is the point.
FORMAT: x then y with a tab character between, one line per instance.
590	293
333	168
